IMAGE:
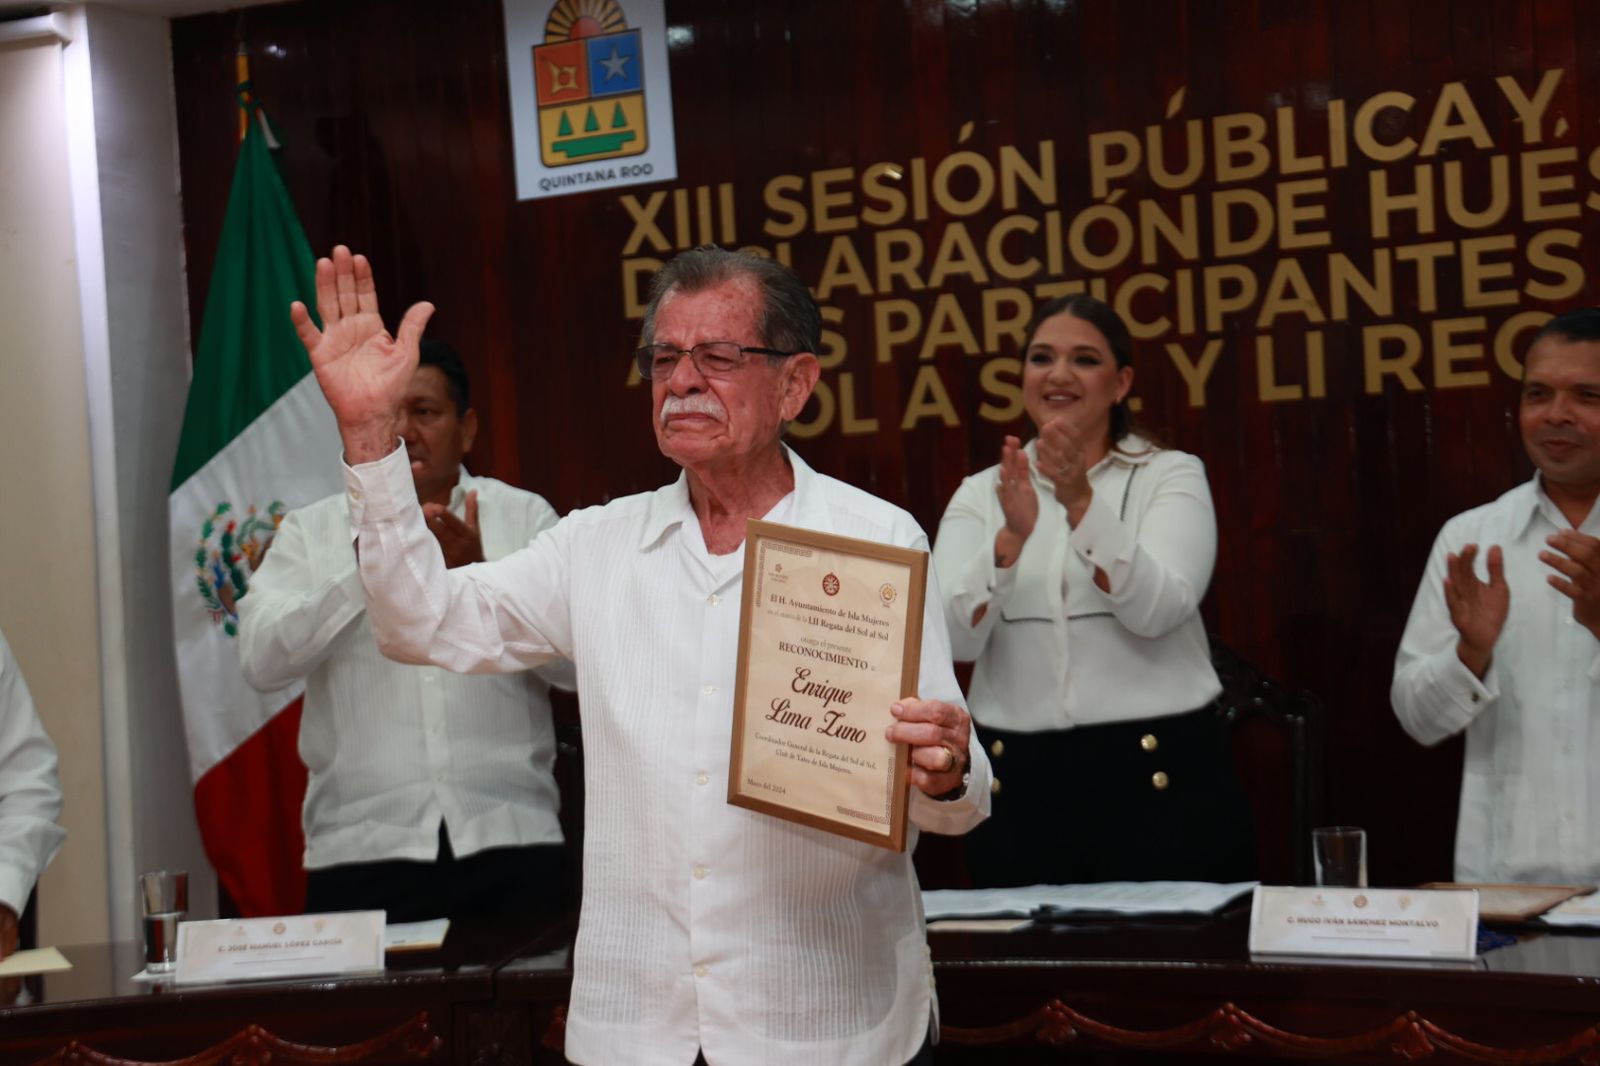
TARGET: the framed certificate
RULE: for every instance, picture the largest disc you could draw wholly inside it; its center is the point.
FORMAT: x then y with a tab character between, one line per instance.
830	635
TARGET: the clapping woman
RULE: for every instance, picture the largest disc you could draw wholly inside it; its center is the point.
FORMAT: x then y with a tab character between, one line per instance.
1072	573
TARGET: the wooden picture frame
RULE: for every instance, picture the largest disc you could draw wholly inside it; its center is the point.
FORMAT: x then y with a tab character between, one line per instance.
830	635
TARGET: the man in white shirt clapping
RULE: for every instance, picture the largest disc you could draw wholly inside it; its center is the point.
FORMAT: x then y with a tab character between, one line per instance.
1504	636
430	794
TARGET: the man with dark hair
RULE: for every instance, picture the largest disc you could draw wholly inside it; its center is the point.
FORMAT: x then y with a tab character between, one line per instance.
430	794
705	927
1506	645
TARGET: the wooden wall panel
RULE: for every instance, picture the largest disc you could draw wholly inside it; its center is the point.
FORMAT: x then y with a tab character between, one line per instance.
396	127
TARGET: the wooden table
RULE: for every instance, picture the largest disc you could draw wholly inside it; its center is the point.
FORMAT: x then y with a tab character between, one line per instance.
1116	990
428	1006
1168	987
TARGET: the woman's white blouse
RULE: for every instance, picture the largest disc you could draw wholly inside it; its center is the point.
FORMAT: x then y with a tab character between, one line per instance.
1052	650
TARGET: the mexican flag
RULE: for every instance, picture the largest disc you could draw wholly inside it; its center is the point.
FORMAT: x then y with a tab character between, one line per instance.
258	440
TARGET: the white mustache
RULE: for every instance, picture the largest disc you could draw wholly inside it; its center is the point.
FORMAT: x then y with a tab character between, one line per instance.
696	403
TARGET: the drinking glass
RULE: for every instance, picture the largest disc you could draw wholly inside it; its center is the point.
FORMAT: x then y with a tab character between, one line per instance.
1340	855
163	899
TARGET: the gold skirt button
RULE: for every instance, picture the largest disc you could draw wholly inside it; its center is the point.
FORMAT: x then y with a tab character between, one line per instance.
994	786
998	748
1158	780
1149	742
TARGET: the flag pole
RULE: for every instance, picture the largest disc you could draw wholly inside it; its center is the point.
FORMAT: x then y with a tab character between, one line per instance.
241	71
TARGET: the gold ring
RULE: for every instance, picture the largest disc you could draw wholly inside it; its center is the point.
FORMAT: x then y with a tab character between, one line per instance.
949	759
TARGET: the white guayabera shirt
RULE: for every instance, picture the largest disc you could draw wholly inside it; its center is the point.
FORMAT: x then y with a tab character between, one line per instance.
392	749
30	792
704	925
1531	783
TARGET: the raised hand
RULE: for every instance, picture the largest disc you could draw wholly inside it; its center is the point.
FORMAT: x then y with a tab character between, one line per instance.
362	369
1576	560
459	540
1477	608
1065	461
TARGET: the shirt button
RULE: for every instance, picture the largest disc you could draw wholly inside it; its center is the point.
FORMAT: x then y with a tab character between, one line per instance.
994	786
699	873
713	599
355	494
701	779
997	749
1149	742
700	971
710	690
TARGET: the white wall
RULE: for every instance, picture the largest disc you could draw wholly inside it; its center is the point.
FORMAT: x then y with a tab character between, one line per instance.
137	391
49	601
95	360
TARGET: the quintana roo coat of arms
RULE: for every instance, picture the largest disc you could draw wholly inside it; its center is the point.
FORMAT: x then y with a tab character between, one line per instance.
229	551
588	78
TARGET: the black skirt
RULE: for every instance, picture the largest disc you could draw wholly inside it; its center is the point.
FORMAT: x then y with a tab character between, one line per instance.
1154	799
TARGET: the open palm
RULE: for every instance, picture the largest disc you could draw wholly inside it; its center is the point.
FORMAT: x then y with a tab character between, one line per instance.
363	370
1478	609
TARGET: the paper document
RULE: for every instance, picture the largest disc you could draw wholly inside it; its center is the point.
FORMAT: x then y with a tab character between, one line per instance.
1114	897
977	925
1514	902
415	936
35	960
1580	910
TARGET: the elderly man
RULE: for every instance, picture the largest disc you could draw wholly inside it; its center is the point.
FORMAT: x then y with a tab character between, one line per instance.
430	794
1507	645
704	926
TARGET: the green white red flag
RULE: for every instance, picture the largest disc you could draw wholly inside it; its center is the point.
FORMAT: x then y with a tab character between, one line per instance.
258	440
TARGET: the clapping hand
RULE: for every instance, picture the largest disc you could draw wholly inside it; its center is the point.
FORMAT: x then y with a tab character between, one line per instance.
459	540
363	370
1477	609
1018	503
1063	459
1576	560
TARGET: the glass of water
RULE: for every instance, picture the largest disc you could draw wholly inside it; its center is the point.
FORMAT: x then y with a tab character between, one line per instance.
163	899
1339	853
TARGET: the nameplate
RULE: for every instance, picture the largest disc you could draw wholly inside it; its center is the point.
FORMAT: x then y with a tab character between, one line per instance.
302	945
1409	923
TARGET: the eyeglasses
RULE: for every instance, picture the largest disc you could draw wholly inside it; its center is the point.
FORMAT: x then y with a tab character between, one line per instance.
713	359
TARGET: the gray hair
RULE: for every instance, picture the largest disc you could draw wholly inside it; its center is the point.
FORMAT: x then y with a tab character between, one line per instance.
789	319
